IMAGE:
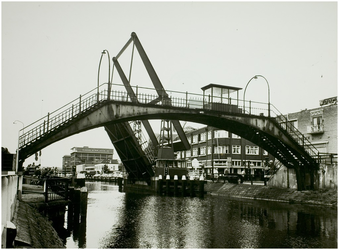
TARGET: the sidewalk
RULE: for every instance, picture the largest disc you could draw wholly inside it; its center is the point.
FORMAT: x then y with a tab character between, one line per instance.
33	229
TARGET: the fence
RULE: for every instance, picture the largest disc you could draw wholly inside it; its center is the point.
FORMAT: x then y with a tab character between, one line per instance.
51	188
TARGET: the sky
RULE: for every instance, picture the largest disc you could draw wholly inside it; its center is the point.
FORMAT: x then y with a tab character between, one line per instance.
51	53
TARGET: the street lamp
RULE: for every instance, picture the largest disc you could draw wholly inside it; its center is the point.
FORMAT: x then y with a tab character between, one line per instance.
268	93
109	71
17	153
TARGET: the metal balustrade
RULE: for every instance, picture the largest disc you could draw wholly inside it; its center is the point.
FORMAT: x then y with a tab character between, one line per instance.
149	96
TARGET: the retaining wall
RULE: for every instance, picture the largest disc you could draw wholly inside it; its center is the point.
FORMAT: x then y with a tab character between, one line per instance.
326	177
9	182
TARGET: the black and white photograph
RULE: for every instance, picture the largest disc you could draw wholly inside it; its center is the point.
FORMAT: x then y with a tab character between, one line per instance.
169	124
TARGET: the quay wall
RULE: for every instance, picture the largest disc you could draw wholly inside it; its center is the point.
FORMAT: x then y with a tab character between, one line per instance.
9	181
325	178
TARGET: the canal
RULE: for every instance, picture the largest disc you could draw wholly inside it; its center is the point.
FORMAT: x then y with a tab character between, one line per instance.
120	220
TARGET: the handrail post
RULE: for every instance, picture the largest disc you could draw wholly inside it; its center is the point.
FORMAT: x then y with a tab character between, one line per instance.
47	121
80	104
46	190
136	92
187	99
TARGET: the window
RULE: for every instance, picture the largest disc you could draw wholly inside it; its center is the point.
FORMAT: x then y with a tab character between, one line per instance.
221	149
264	152
236	149
203	150
317	121
195	139
220	134
252	150
234	136
209	136
188	153
203	136
195	151
209	150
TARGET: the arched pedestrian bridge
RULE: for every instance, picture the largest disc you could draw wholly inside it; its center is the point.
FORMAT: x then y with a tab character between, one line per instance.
112	107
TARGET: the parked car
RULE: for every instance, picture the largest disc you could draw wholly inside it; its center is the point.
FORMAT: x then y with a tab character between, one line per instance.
233	178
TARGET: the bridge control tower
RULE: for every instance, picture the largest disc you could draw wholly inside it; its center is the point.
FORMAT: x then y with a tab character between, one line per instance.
221	97
166	163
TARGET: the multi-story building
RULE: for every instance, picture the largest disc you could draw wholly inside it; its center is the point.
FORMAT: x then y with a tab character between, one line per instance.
218	151
319	125
86	156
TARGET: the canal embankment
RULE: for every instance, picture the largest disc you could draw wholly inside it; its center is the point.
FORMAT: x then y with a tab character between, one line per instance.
321	197
33	229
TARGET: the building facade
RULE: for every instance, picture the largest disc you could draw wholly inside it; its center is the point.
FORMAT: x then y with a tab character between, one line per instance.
86	156
219	151
319	126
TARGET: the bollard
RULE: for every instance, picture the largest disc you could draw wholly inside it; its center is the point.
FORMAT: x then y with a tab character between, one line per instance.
120	184
183	186
191	186
168	180
175	185
76	204
160	185
201	186
83	203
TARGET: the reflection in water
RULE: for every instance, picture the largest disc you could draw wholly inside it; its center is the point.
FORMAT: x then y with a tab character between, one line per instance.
119	220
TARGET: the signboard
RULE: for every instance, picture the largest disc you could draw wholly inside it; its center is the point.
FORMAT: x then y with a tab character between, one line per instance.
195	163
332	100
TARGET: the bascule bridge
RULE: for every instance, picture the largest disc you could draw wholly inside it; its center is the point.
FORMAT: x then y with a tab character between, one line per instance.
122	108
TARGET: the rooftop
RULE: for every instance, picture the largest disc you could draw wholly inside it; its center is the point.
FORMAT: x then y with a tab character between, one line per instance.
211	85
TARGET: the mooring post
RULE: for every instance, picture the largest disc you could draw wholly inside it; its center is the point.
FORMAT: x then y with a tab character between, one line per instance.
120	184
175	185
83	203
46	190
76	204
191	186
168	180
201	186
183	185
160	185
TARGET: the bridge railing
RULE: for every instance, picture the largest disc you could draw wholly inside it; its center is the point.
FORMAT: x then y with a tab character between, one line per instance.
287	125
188	100
53	120
144	95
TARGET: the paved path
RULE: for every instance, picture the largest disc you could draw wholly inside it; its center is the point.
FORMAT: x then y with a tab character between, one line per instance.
33	229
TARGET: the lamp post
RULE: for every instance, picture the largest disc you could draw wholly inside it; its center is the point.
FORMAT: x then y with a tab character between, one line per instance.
268	93
17	153
109	71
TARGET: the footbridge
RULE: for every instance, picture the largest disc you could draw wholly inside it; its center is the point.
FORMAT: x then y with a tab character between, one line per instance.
260	123
122	108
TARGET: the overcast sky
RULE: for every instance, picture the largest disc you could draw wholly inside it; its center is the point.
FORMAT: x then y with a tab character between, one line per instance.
51	51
